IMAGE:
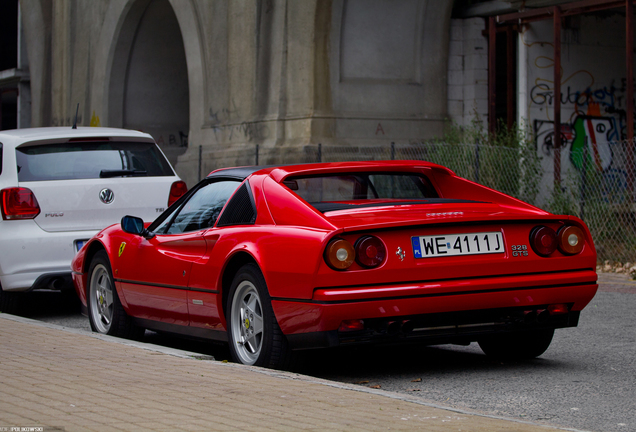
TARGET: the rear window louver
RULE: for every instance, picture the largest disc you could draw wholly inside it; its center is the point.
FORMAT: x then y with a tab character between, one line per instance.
240	209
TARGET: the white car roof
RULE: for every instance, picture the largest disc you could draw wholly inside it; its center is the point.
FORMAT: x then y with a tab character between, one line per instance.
19	136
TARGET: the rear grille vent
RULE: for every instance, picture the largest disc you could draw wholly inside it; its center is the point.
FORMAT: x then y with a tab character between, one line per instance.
240	210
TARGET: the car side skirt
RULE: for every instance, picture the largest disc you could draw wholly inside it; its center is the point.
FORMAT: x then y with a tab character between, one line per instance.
194	332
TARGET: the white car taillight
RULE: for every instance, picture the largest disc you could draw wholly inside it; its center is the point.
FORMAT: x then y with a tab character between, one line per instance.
177	189
19	203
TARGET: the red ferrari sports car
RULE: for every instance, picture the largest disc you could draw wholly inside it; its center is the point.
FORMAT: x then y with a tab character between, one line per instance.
283	258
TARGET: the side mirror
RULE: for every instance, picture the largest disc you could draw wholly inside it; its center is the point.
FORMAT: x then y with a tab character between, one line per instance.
135	225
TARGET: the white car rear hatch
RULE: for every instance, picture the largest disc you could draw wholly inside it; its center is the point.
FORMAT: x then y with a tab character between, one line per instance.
90	183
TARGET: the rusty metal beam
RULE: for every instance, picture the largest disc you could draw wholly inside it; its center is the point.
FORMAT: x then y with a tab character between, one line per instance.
556	99
568	9
510	78
492	76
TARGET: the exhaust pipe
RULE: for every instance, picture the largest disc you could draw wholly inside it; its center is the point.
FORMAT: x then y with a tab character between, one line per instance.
543	316
56	284
530	317
393	327
407	326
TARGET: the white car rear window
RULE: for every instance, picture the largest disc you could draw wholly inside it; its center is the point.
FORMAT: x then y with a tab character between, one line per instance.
89	160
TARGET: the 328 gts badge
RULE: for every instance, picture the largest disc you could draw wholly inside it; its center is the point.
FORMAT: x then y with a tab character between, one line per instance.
519	250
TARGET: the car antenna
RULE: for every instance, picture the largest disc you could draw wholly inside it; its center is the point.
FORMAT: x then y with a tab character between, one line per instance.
75	122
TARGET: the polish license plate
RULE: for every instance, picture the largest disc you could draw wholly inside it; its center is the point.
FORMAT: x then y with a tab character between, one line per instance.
457	244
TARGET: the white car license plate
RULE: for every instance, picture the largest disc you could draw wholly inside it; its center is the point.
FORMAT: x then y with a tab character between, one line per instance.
79	244
457	244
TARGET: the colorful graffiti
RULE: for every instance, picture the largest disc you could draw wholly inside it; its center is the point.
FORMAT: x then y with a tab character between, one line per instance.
587	138
590	146
597	121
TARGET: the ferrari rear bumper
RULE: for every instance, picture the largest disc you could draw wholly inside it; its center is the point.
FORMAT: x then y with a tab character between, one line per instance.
451	311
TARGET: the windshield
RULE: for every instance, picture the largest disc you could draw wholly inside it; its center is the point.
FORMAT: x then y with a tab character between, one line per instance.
89	160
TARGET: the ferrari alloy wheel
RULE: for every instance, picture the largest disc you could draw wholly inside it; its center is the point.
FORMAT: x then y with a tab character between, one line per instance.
101	299
247	322
105	312
253	332
518	345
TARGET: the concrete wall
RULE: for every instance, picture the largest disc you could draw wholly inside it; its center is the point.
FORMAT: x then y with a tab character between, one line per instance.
220	77
468	72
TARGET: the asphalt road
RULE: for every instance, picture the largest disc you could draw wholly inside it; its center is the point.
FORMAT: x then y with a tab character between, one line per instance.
586	380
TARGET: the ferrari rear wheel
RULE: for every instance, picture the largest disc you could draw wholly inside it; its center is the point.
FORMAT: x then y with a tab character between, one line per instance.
518	345
253	332
105	312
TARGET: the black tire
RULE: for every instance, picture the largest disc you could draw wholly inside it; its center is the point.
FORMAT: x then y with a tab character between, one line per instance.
10	302
517	345
254	335
105	312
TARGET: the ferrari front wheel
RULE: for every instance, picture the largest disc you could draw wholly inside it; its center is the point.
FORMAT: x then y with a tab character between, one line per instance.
253	332
105	312
521	345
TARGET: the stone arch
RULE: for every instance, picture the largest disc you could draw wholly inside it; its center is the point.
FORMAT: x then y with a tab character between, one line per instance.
148	81
148	71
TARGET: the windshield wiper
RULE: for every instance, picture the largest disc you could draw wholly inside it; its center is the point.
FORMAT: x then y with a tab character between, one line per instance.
121	173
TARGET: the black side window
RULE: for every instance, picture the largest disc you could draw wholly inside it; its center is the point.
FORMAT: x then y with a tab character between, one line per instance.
0	158
201	210
240	210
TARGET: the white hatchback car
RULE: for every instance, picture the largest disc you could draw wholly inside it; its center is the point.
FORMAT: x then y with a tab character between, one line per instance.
60	186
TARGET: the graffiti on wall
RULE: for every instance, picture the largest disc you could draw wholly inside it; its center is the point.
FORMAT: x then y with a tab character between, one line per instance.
225	125
590	146
172	140
594	121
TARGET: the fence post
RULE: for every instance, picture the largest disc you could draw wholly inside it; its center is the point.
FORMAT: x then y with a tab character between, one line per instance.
200	159
319	152
477	161
256	155
583	179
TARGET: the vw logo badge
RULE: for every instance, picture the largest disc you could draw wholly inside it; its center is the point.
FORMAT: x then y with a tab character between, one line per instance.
106	196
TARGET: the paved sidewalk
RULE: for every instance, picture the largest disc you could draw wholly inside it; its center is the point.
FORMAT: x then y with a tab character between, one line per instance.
61	379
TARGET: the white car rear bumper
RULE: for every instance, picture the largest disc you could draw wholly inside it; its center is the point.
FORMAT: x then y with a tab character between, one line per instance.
27	253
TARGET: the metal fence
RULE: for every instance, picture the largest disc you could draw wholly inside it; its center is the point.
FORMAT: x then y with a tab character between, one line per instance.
595	184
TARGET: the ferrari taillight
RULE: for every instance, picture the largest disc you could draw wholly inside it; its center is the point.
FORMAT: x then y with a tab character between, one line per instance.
543	240
568	239
370	251
367	251
19	203
177	189
571	240
339	254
